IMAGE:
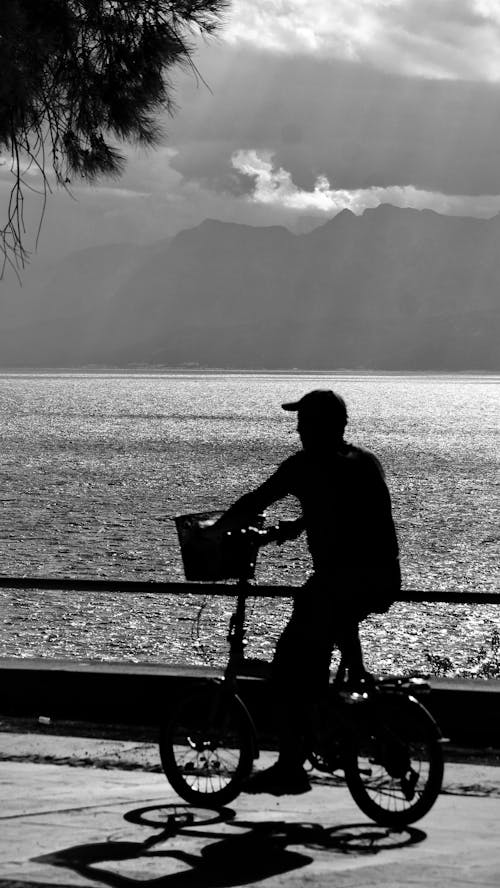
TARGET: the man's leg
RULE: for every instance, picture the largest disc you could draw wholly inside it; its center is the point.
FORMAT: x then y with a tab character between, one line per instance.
291	693
300	670
352	667
347	637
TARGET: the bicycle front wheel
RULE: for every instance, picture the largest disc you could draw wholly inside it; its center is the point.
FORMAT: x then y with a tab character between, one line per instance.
207	748
394	769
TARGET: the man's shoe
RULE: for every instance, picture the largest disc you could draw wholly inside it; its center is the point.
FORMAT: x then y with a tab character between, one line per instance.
278	780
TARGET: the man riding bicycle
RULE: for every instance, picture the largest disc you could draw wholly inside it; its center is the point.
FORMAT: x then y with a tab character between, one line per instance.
346	514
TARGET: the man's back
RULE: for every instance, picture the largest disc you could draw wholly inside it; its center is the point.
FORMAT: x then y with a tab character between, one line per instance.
346	507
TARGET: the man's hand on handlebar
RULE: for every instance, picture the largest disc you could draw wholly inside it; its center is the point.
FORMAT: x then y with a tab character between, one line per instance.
277	533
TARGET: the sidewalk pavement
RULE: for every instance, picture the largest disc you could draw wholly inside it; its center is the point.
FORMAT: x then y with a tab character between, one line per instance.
81	812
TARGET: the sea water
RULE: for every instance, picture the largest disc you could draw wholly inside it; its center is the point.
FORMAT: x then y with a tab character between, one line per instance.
95	464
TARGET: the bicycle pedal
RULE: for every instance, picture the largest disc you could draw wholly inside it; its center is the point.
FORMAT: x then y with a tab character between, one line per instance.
408	784
326	764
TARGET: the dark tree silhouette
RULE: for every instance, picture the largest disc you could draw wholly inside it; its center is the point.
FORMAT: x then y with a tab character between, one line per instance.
75	73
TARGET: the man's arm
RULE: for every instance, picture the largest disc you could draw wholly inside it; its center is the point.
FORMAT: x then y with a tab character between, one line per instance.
245	509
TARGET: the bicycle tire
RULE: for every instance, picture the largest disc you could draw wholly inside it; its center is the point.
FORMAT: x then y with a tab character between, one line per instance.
394	764
207	747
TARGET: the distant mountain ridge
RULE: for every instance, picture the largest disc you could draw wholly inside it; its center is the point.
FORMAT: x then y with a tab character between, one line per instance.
392	289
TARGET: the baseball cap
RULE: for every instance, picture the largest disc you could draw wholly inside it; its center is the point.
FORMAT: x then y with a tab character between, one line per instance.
319	402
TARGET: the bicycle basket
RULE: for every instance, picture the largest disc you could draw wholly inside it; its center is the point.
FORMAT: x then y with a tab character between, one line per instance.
208	555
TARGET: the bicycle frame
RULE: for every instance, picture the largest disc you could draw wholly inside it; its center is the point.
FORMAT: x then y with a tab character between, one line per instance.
236	634
341	718
236	640
390	782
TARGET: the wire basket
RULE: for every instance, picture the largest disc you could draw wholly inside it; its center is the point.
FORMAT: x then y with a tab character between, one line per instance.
208	554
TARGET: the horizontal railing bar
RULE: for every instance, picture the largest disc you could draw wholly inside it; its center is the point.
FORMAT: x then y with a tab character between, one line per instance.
138	587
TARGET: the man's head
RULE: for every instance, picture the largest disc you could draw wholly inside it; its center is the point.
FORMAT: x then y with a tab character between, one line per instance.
321	418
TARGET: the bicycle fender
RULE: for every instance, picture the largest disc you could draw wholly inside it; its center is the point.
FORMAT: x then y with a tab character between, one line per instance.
404	701
204	683
432	721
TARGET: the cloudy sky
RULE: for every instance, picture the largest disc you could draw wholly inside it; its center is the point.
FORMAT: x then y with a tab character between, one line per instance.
309	108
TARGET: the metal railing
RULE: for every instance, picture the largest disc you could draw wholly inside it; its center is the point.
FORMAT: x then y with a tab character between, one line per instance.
222	589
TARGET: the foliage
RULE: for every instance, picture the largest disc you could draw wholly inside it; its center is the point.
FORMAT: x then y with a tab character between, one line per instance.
483	664
77	72
486	663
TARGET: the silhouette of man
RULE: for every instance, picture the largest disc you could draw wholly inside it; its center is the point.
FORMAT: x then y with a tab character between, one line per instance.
346	514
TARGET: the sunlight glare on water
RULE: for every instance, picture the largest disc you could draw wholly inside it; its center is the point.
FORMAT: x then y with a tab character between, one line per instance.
92	461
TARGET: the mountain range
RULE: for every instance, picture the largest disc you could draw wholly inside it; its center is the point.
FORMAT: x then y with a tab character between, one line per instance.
393	289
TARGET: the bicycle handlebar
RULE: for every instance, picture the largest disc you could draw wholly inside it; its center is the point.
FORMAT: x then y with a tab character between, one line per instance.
275	533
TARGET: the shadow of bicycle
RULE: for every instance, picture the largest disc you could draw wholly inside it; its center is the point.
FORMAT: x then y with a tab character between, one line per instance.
227	851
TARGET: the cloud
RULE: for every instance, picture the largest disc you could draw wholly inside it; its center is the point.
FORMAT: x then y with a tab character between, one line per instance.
456	39
156	203
102	191
357	126
274	186
331	113
9	166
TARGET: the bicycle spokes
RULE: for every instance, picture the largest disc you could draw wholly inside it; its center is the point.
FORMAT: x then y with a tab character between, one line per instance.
395	770
206	749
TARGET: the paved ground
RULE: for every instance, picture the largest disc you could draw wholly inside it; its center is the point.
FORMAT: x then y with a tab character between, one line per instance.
67	820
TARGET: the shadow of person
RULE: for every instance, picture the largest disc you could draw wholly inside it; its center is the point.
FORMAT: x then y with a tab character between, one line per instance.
255	851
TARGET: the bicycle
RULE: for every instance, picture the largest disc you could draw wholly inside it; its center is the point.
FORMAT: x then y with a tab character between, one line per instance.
383	739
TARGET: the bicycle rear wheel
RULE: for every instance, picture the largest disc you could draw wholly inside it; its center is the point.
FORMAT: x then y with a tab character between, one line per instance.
394	766
207	748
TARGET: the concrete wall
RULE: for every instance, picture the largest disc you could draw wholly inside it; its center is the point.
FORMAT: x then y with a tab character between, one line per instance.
131	694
